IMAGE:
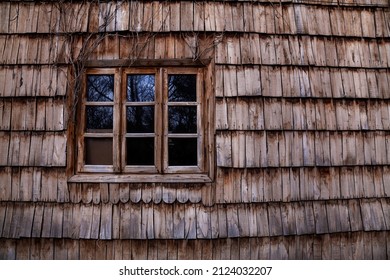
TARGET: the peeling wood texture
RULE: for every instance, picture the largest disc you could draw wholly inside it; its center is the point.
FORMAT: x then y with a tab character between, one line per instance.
279	248
300	142
170	221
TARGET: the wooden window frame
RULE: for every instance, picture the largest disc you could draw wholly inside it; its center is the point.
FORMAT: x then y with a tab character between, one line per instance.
160	172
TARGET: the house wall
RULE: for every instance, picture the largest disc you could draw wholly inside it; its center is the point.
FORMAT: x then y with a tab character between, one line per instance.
302	142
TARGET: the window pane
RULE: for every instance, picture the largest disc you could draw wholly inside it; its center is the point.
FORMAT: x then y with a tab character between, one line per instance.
140	119
98	151
181	88
140	88
182	151
99	119
182	119
100	88
140	151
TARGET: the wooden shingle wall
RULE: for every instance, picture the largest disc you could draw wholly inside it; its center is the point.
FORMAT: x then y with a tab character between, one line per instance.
302	121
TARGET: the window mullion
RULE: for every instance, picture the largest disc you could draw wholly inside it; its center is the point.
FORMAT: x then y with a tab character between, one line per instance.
117	131
159	121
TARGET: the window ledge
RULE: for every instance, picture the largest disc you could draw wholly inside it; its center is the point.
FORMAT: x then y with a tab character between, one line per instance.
140	178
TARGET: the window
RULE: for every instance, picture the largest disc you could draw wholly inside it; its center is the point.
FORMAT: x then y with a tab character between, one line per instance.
143	124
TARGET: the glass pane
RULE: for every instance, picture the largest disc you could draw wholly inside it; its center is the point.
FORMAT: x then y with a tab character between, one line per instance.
140	88
140	151
100	88
99	119
182	119
98	151
181	88
182	151
140	119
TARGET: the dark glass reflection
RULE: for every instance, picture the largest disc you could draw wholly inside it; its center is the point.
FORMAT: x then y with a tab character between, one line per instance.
99	118
140	119
182	119
100	88
182	151
98	151
181	88
140	88
140	151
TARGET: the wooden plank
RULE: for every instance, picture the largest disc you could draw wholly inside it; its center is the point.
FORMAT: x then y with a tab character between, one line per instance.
153	250
86	221
59	150
237	16
86	193
355	218
221	222
4	148
125	225
67	220
275	219
87	249
386	211
106	222
257	186
238	149
49	185
190	222
186	16
185	250
6	230
308	146
96	215
179	221
57	222
6	183
47	221
23	249
38	221
5	114
209	11
124	192
303	222
320	216
203	223
135	220
379	251
244	220
367	245
259	18
16	225
5	17
333	214
224	150
168	194
3	211
147	224
336	151
159	223
62	188
222	22
35	250
76	222
272	114
221	114
288	219
382	83
157	193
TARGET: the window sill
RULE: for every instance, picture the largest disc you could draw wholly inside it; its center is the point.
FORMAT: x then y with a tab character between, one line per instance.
140	178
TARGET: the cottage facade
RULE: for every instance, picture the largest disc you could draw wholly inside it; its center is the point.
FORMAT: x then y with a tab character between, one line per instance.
288	156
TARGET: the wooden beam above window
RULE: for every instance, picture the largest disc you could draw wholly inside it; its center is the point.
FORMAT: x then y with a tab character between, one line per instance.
186	62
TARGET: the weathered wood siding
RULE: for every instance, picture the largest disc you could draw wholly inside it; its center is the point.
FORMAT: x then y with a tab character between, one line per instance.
302	131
